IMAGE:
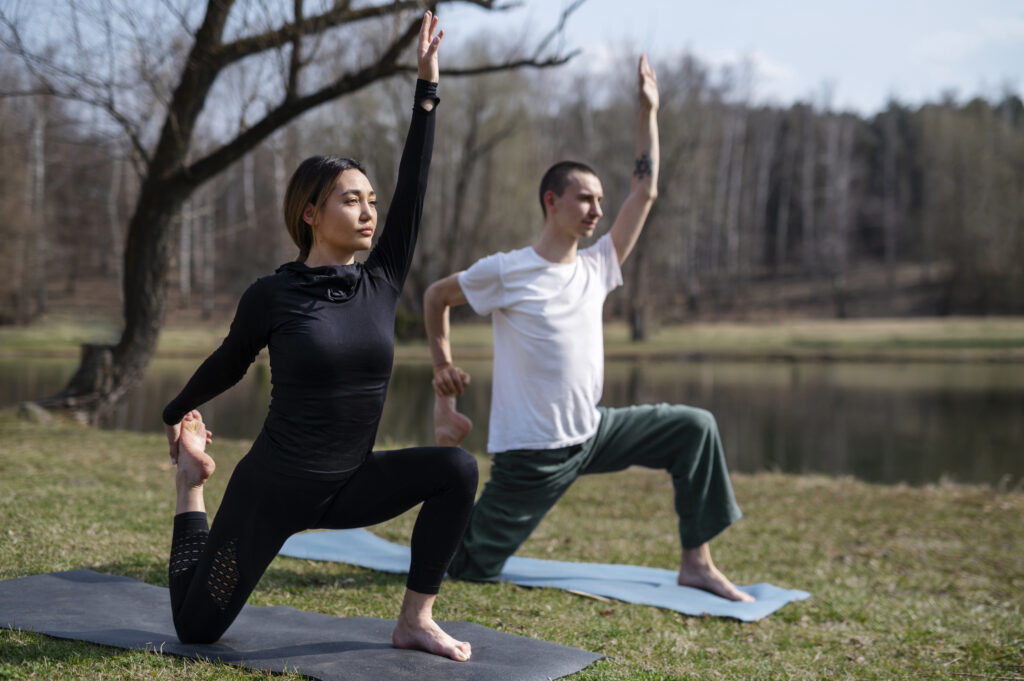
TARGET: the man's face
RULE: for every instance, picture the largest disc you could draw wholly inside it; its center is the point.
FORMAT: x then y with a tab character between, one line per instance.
578	209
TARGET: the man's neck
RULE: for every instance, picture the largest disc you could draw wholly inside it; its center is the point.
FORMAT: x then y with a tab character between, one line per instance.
556	247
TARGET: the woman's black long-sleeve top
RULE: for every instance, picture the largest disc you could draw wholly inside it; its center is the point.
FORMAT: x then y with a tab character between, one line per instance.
330	335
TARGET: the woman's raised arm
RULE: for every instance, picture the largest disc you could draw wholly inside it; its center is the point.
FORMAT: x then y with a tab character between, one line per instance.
394	250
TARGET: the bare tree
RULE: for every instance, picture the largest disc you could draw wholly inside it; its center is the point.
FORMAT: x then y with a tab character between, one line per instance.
314	56
36	185
730	121
891	194
784	198
14	190
766	150
808	190
839	164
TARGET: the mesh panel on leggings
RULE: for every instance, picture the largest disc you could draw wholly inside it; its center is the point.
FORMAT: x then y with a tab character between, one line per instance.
186	548
224	575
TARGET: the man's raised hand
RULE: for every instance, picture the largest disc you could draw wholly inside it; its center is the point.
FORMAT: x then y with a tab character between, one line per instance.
426	51
647	84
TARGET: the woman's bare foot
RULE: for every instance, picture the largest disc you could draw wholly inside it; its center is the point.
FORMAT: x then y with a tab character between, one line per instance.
697	570
417	630
450	427
194	465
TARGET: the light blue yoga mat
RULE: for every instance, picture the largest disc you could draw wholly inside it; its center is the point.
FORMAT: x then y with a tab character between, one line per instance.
629	583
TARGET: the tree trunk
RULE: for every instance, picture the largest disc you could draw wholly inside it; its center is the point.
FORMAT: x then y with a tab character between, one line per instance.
107	372
695	208
735	198
766	151
111	263
721	187
782	213
22	248
640	316
249	219
281	238
207	287
38	184
639	305
842	175
808	191
890	190
184	220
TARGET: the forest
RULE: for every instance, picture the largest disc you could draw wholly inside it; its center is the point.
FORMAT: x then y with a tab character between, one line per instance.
764	211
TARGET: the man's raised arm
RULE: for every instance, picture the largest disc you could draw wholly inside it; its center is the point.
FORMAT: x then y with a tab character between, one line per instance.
644	185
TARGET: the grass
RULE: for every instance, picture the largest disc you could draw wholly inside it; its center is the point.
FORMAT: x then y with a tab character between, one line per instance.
931	339
915	583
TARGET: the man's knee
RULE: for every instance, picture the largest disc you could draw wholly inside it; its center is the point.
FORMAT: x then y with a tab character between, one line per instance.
696	435
701	420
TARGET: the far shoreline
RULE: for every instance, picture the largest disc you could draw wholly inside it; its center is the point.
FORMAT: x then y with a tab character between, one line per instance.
881	340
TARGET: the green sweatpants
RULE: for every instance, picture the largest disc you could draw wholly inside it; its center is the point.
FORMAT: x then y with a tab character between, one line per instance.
525	484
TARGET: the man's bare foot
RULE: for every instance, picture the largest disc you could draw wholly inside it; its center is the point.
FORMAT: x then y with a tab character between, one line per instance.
426	635
697	570
194	465
450	427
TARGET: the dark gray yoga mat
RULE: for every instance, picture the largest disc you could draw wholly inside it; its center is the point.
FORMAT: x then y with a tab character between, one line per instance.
124	613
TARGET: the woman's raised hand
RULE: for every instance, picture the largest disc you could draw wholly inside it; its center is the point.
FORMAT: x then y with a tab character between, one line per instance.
426	51
173	434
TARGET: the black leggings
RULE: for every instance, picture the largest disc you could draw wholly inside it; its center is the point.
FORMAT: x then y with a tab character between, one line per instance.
212	572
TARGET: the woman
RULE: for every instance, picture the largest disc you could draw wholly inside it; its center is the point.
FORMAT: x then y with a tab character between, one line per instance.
328	323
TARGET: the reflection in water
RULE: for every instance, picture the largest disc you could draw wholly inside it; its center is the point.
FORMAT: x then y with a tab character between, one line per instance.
880	422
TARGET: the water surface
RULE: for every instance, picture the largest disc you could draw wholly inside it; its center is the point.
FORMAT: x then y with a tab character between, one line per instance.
885	422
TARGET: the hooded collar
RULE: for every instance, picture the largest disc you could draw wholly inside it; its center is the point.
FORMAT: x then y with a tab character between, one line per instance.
334	283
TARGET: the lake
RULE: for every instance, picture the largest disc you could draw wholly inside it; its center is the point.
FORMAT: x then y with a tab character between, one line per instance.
881	422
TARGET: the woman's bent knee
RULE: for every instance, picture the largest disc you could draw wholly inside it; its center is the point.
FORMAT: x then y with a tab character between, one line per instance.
197	632
462	467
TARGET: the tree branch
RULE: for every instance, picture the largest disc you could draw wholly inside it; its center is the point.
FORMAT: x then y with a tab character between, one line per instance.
211	164
291	86
127	125
504	66
342	13
178	14
559	28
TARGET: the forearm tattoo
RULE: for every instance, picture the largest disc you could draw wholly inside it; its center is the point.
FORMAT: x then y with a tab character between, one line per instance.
644	166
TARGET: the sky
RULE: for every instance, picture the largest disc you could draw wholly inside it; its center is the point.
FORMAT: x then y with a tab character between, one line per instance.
863	52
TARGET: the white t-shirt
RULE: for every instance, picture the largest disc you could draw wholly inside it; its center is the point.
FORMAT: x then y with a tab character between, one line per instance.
548	342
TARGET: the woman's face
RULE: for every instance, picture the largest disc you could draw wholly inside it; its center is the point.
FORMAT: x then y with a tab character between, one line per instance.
348	218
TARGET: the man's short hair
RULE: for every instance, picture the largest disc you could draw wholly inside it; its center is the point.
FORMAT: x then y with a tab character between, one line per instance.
556	179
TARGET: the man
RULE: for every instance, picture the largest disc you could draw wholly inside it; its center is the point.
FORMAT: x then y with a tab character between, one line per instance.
545	428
